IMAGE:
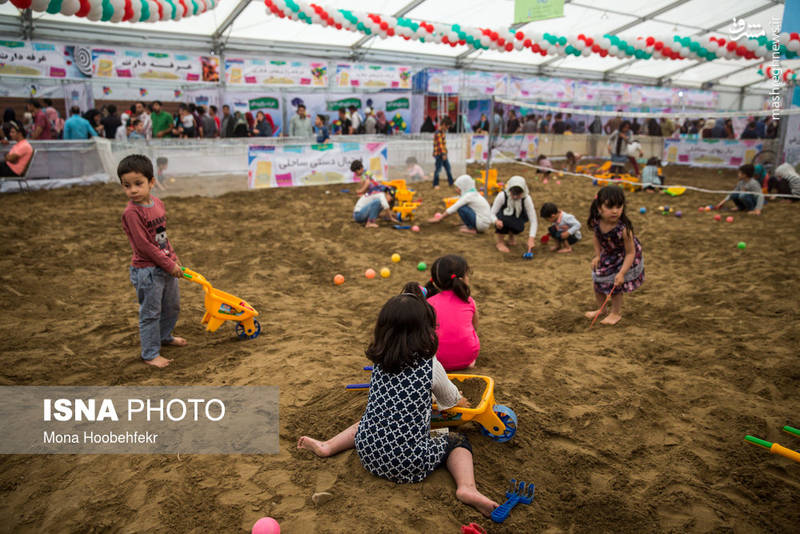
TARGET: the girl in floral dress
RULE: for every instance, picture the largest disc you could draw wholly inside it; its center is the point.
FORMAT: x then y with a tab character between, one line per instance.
618	264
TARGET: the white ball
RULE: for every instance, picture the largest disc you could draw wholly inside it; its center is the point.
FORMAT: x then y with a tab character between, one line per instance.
70	7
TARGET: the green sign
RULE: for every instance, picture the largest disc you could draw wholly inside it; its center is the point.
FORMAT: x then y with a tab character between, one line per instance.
265	102
335	105
400	103
529	10
12	44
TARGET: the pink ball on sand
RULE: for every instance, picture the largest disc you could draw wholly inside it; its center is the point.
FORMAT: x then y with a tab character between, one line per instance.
437	215
558	182
544	180
266	525
415	228
729	219
717	217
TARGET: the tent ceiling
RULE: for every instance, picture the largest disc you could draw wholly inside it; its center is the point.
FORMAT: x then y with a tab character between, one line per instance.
250	29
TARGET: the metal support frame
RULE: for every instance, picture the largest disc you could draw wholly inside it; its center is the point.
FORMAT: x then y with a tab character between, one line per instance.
230	19
358	45
26	24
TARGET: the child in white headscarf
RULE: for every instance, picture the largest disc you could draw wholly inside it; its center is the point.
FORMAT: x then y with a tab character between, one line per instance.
512	208
473	209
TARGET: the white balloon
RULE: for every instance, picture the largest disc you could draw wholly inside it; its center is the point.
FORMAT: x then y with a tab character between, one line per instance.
613	50
96	12
136	8
40	5
794	45
485	40
452	37
750	44
580	45
586	52
119	10
70	7
166	11
783	38
519	45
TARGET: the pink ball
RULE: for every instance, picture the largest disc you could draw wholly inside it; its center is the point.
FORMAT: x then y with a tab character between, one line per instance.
544	180
558	182
701	208
717	217
437	215
415	228
729	219
266	525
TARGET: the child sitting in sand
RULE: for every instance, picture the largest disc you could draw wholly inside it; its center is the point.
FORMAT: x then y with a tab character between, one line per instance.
393	438
372	205
618	263
448	292
154	266
473	209
542	161
747	194
571	161
565	230
512	208
369	184
414	172
650	177
161	166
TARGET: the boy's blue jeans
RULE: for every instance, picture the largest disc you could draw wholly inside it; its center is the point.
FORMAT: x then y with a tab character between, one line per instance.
441	162
369	212
467	215
159	304
744	201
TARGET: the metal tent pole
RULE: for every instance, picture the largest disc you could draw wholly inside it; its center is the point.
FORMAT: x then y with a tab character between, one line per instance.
492	128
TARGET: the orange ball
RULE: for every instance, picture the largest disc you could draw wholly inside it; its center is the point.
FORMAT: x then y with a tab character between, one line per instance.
370	273
338	279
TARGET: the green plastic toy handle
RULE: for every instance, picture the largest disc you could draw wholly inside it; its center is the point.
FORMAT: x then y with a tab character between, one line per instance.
792	430
756	441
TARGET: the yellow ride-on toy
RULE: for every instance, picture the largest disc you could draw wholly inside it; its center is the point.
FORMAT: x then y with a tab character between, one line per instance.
496	421
221	307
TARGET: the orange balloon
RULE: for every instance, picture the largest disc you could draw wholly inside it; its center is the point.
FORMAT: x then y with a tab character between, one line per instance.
370	273
338	279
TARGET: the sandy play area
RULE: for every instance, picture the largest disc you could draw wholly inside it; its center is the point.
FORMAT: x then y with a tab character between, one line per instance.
634	428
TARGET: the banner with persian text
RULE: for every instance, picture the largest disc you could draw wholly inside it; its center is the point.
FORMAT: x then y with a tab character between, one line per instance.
711	152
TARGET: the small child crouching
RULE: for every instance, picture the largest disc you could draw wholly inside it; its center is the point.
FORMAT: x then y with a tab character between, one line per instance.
565	230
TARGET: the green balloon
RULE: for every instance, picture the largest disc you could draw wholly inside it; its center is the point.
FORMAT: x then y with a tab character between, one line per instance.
741	244
562	41
421	266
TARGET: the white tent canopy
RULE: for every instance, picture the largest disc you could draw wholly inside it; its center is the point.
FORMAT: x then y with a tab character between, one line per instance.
245	26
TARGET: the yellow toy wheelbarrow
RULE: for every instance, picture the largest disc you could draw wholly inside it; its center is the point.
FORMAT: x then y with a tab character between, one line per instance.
497	421
221	307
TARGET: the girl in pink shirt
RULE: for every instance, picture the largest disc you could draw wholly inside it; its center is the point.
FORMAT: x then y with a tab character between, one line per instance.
456	314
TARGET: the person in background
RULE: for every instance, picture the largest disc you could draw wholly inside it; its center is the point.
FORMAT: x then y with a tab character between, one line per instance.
636	126
498	125
226	125
761	127
559	126
111	122
161	166
56	122
569	122
786	181
141	113
512	126
413	171
382	126
370	122
482	126
76	127
512	208
9	116
770	128
428	126
440	153
209	124
667	127
747	195
355	120
251	123
240	128
17	159
544	124
650	177
95	118
300	124
529	126
212	112
122	130
323	136
614	124
596	127
652	127
161	121
137	130
749	131
345	126
41	129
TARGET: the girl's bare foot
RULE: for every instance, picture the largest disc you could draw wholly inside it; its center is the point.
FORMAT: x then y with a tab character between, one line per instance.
319	448
554	248
613	318
176	342
565	249
371	224
502	247
474	498
436	187
159	361
591	314
467	230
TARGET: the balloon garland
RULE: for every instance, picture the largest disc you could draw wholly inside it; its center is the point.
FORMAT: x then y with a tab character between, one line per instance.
120	10
546	44
785	75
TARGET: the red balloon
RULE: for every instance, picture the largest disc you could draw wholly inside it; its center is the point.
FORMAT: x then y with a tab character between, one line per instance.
453	44
462	42
185	7
527	43
509	47
659	45
731	46
721	41
501	41
535	48
384	26
128	11
650	41
22	4
390	32
589	41
595	49
741	50
338	26
494	36
603	53
581	37
86	7
795	36
444	39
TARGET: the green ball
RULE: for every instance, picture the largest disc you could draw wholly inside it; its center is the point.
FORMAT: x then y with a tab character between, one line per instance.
421	266
742	244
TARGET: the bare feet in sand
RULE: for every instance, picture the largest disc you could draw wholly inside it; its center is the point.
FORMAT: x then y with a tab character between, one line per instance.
159	361
476	499
591	314
565	249
512	242
371	225
502	247
467	230
554	248
176	342
317	447
613	318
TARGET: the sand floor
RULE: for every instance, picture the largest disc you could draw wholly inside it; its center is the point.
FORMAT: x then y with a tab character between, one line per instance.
633	428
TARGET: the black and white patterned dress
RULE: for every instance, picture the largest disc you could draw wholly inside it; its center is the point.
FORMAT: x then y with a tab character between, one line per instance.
393	439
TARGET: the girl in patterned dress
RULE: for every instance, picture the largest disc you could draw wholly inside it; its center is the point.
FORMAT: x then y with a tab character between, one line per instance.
393	438
618	264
